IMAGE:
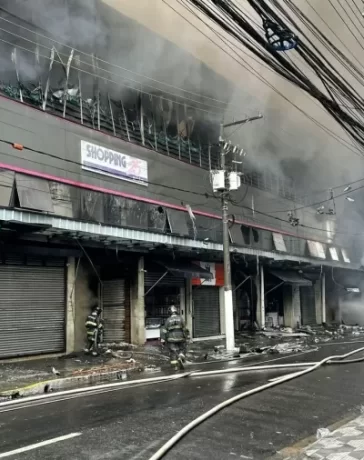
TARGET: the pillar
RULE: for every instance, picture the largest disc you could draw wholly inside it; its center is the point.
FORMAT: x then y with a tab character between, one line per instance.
260	296
318	301
70	307
222	311
189	307
288	306
137	306
323	298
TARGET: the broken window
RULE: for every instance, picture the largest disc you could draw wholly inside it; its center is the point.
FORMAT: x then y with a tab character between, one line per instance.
157	219
33	193
177	222
61	198
246	231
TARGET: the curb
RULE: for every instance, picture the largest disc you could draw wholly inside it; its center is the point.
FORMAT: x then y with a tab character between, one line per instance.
54	384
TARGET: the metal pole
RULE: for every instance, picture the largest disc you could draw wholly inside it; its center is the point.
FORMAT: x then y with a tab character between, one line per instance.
242	283
228	292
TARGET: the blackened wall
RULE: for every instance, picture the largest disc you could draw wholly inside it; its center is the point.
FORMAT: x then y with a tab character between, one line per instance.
170	181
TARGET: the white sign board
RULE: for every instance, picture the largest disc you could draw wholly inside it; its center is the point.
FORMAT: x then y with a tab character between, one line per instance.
312	248
114	164
345	256
320	250
316	249
334	254
279	242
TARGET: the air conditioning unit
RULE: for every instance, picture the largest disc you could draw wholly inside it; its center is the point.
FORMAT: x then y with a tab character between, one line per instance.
218	180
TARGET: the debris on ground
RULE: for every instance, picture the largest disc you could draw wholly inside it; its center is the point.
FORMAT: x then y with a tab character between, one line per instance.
323	433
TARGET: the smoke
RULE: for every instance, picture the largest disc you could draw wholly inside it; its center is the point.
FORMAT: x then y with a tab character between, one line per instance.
284	143
71	22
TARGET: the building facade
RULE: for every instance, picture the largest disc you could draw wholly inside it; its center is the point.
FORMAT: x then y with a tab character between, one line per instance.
106	200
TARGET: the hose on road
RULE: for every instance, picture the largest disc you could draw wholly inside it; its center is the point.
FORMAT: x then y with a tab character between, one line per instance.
185	430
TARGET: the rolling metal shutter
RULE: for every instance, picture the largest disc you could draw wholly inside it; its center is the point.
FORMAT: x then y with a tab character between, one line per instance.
308	305
32	307
206	311
116	311
151	278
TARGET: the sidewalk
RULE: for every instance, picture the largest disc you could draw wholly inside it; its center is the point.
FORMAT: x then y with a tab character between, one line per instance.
345	443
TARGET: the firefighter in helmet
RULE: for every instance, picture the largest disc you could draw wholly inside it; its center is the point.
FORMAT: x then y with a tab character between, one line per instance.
94	329
175	335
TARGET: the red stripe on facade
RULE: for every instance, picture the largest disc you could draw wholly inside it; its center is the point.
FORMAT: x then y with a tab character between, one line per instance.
131	196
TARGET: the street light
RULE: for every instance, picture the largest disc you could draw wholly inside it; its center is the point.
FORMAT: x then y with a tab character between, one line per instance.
224	189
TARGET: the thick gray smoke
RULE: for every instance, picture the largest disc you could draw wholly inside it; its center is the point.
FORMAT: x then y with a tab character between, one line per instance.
284	143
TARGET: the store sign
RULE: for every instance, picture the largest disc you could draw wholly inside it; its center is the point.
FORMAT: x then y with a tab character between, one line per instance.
114	164
217	271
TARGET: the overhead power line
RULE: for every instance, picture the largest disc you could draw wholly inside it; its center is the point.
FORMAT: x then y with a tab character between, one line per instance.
243	63
226	13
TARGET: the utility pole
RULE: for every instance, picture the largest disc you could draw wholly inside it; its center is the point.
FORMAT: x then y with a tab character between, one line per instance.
228	290
224	185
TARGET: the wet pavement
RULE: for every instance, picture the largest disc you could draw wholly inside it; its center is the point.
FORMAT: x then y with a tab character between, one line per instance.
152	358
133	423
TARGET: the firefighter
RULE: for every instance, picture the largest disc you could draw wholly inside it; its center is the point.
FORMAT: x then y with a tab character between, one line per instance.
94	329
175	334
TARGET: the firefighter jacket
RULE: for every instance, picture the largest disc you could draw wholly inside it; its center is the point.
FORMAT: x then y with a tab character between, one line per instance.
93	323
174	329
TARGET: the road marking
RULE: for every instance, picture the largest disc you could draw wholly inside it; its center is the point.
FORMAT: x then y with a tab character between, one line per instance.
39	444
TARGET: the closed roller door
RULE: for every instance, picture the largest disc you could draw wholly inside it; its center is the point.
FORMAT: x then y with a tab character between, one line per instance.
116	311
168	279
308	305
32	310
206	312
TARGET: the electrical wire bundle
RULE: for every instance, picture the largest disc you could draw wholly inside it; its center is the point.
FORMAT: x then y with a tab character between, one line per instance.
339	96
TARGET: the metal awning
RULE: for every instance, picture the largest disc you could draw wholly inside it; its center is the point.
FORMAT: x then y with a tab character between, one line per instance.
291	277
186	269
116	235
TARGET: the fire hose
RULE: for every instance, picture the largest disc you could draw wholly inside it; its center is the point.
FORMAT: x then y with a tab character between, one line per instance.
336	359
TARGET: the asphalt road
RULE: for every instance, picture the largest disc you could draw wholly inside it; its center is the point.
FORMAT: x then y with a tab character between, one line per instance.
132	424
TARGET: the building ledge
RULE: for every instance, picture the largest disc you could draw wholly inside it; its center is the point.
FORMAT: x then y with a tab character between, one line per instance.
106	234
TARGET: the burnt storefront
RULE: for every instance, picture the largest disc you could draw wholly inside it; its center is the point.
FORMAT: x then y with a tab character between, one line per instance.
33	304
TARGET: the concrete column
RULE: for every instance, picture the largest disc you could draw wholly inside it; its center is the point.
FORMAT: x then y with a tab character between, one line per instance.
70	307
189	307
222	311
296	304
260	297
323	298
288	306
182	302
257	306
318	301
137	306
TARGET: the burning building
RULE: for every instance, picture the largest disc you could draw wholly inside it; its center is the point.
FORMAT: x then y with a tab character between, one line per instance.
106	198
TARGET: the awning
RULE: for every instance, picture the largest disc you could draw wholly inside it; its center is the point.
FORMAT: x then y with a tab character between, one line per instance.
291	277
186	269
